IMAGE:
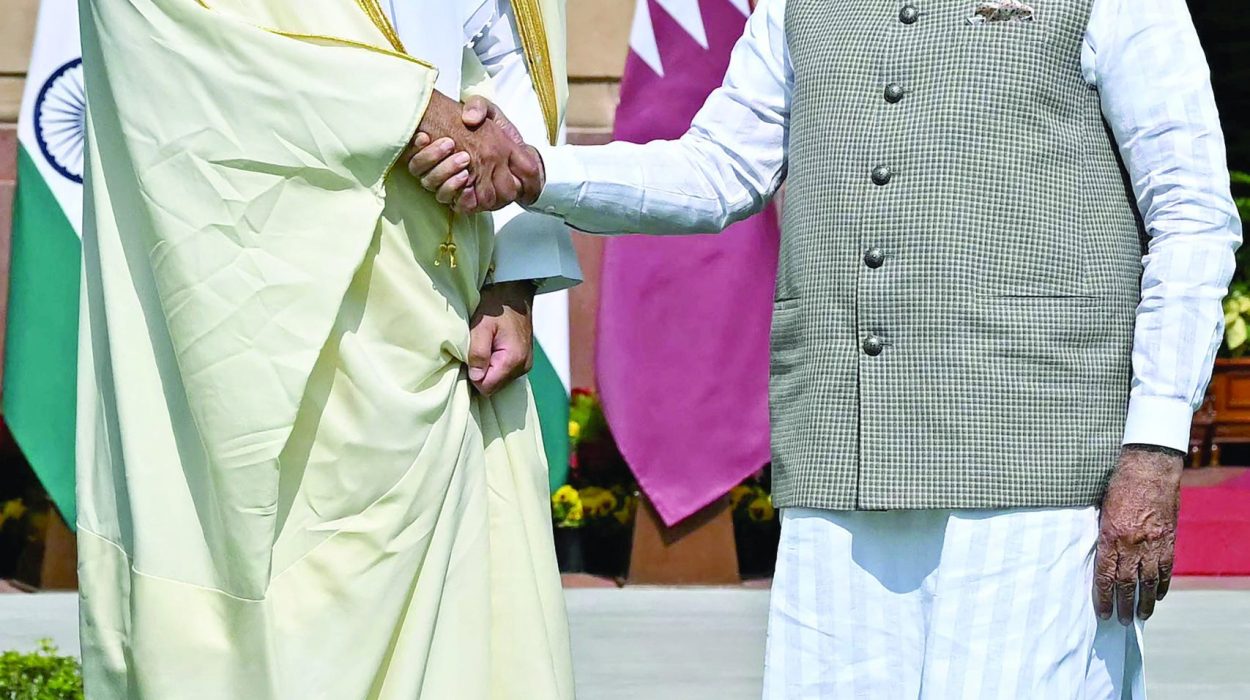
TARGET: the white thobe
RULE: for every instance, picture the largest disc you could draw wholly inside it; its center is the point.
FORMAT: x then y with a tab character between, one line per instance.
286	486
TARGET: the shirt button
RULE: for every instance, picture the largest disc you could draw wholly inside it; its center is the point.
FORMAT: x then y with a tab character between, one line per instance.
893	93
873	346
874	258
909	14
881	175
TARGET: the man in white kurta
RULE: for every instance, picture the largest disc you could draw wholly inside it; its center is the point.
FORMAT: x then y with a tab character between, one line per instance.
948	603
287	486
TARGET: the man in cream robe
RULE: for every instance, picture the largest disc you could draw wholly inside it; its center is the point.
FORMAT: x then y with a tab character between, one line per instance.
287	487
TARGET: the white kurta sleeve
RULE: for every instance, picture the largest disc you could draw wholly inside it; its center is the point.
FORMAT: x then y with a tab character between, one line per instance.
725	168
528	246
1152	76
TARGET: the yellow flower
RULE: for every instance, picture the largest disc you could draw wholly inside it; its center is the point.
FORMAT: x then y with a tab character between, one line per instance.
575	430
12	510
566	507
761	509
625	514
737	494
598	502
565	495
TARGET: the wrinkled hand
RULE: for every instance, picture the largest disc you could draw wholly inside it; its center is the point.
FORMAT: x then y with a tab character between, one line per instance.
1137	532
444	168
495	162
501	336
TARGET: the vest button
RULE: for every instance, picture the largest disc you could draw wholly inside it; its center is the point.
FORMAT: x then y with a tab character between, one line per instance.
874	258
893	93
873	346
909	14
881	175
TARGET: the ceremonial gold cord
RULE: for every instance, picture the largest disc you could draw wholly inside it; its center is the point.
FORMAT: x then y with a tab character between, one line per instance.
448	246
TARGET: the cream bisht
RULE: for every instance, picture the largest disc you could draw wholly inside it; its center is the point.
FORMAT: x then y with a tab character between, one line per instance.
286	487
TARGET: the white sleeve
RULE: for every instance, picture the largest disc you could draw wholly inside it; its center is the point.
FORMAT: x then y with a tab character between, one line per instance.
528	246
725	168
1155	87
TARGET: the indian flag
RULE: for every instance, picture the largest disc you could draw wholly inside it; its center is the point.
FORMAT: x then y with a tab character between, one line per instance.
550	380
41	352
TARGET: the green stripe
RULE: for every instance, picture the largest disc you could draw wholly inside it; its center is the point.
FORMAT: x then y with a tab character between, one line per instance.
40	359
553	415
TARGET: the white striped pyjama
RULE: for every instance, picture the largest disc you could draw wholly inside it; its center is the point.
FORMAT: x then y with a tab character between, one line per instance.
943	605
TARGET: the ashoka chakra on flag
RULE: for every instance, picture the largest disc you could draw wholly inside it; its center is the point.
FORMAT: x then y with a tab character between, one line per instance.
60	120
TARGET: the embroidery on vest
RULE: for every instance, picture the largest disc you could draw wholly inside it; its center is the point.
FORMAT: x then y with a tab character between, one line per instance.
1005	11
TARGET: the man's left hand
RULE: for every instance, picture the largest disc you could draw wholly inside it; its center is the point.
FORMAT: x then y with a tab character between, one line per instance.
501	336
1137	532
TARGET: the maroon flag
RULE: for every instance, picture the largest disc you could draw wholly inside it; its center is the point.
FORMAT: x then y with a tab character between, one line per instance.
682	350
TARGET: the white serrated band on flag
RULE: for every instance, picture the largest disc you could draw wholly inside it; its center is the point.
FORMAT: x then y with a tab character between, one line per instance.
642	38
51	126
687	15
744	6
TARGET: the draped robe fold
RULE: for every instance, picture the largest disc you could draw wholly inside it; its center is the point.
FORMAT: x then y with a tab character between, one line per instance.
287	488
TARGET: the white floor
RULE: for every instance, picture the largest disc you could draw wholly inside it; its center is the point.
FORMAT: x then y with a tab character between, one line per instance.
706	644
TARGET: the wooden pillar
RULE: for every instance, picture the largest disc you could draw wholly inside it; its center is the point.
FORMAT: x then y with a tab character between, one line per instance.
699	551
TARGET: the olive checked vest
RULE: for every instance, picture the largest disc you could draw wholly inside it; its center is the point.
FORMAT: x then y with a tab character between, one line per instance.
960	263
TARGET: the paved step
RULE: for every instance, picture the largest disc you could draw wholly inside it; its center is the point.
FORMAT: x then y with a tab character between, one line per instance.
708	643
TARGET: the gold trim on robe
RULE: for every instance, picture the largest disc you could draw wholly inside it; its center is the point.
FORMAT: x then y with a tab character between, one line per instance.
376	14
534	38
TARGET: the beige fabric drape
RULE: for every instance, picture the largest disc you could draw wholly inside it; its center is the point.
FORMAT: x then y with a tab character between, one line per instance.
287	488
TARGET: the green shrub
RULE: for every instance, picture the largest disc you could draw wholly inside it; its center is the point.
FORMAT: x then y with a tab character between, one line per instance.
41	675
1237	319
1237	303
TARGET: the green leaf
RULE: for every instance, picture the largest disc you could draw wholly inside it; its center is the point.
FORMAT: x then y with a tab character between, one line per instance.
42	675
1236	335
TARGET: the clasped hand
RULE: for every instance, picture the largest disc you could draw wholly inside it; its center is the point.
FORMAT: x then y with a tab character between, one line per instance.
473	158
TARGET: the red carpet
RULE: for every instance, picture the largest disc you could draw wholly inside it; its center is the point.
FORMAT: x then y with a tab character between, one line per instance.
1213	538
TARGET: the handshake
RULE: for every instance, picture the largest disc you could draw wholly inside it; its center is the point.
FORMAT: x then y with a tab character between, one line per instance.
472	158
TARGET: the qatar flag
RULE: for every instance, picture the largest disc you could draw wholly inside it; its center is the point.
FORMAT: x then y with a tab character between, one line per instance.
682	352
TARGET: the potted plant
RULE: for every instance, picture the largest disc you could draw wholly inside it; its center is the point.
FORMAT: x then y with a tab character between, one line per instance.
756	529
1225	415
594	513
568	517
25	514
608	535
1237	303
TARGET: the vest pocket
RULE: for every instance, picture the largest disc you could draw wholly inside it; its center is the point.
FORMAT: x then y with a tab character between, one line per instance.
1040	343
786	328
785	384
786	358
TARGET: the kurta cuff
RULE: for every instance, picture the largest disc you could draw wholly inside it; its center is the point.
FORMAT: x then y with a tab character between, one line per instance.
565	178
539	248
1157	420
